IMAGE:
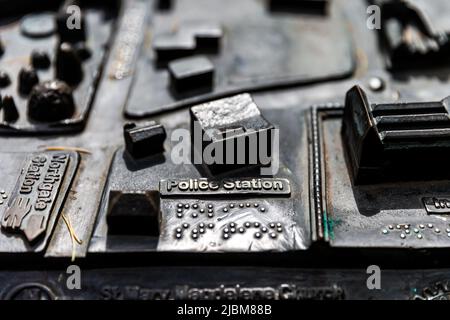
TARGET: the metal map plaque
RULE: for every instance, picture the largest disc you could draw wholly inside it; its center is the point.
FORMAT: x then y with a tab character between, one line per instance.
38	193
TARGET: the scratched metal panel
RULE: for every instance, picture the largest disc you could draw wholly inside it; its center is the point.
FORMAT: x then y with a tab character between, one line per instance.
259	50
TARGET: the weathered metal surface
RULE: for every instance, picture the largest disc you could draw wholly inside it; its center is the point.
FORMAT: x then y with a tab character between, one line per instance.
319	220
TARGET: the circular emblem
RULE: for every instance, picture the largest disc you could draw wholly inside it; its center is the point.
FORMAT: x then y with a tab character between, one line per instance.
30	291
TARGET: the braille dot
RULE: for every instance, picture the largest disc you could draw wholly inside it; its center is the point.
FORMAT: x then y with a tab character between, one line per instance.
225	210
194	236
232	205
385	231
437	230
256	205
391	227
262	209
232	224
210	210
1	201
2	191
179	210
398	226
256	224
403	236
273	235
279	225
447	230
202	210
247	204
194	215
178	236
210	206
185	225
194	231
241	230
195	206
180	205
419	236
226	236
201	230
421	226
179	215
201	225
178	230
186	206
210	225
406	226
258	235
407	231
210	215
416	230
272	225
448	234
241	205
430	225
280	230
264	229
226	230
247	225
233	230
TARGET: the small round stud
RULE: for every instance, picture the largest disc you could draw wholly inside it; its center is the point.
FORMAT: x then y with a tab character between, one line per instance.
258	235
